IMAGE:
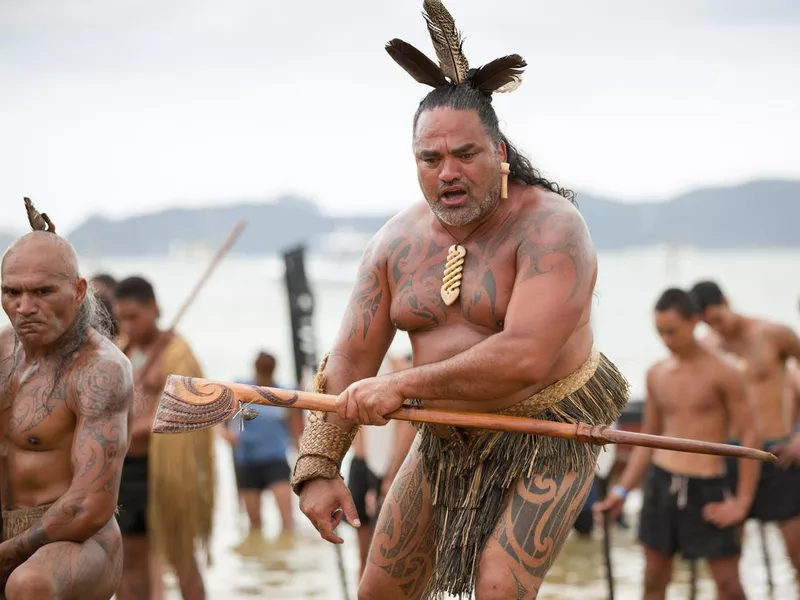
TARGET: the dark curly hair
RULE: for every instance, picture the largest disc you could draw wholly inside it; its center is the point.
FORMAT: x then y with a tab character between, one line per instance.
463	97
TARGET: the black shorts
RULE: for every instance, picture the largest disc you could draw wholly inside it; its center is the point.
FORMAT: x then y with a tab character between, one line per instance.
133	496
667	528
361	481
778	493
259	476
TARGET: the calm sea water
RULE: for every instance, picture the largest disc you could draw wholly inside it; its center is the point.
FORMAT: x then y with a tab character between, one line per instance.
244	308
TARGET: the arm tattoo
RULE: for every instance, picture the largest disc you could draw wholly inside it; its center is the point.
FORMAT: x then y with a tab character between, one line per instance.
549	233
366	300
104	397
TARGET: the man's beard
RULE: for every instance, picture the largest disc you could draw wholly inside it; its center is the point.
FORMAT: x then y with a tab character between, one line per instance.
471	212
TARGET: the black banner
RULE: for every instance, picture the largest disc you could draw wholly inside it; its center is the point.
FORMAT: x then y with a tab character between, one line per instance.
301	311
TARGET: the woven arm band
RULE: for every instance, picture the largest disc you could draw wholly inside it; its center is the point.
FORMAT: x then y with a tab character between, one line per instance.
323	446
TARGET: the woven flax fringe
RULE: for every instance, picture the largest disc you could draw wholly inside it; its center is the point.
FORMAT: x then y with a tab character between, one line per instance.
181	472
181	502
470	472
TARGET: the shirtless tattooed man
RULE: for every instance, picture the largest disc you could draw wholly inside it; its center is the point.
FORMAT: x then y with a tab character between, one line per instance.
66	393
689	505
764	350
469	510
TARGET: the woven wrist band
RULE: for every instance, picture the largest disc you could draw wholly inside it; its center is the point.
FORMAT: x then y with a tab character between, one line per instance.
323	445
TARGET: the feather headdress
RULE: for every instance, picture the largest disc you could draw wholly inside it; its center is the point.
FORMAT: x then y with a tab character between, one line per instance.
39	221
500	75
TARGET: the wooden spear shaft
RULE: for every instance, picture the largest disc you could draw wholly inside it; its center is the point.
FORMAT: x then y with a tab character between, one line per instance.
190	404
163	341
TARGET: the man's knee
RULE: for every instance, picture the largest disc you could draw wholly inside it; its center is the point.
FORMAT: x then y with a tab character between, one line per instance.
730	588
368	588
377	584
500	584
791	537
656	578
31	582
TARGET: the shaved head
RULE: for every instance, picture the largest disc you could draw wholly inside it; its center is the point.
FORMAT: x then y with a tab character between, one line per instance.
43	250
42	291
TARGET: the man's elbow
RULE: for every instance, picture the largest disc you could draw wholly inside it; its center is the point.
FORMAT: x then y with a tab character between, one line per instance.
529	368
93	514
529	372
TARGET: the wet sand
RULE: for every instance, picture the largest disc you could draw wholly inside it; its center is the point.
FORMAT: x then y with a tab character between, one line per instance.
309	568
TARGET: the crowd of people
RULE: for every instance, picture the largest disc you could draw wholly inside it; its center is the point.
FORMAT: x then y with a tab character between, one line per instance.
147	501
492	277
82	368
740	385
260	447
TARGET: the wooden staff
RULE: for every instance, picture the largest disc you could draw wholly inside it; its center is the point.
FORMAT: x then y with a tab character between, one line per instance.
602	484
762	534
166	337
192	403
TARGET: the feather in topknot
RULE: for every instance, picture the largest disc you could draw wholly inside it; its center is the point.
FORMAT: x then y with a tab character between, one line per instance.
500	75
38	221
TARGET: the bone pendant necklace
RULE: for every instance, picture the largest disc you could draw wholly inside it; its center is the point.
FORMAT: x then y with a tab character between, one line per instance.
451	281
454	267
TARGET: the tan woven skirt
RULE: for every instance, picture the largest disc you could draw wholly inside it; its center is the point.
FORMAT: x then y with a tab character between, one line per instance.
21	519
470	471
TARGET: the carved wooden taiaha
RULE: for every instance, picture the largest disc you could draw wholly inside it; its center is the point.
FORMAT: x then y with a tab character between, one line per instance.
191	403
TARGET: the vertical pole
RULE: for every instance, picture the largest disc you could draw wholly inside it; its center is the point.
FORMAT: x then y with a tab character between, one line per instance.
762	533
301	313
603	485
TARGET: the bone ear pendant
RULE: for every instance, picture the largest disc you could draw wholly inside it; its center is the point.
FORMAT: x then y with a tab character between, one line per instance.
451	281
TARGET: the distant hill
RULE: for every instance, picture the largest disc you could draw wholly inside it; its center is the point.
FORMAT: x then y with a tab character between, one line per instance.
756	214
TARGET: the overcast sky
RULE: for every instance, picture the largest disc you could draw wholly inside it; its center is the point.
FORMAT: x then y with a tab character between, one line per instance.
128	106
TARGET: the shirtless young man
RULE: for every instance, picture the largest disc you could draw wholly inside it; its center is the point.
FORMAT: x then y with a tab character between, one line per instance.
167	489
66	392
765	349
688	506
469	510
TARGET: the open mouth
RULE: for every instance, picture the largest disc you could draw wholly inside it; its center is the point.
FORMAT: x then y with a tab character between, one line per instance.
454	196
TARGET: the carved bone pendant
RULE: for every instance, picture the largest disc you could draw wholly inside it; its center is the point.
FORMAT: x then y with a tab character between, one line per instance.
451	280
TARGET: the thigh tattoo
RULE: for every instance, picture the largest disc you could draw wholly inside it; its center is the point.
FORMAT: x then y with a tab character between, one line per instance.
537	521
403	542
